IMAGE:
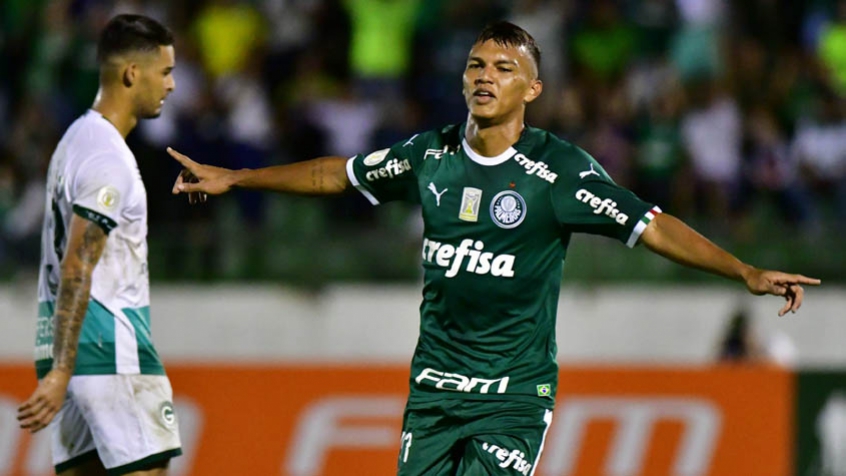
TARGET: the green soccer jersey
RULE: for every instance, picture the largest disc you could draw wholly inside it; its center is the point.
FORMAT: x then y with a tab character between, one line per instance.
496	231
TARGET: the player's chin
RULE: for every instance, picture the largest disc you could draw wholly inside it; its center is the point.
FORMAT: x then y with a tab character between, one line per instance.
479	111
152	114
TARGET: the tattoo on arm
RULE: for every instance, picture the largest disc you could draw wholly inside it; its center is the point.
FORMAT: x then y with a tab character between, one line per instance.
82	256
317	177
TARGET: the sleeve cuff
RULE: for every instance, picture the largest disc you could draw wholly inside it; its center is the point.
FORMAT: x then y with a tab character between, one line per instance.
641	225
357	184
106	223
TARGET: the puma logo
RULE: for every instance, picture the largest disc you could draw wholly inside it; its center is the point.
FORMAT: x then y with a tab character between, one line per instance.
437	195
589	172
410	141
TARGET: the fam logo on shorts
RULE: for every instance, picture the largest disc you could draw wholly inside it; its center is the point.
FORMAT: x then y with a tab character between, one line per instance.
167	415
508	209
108	197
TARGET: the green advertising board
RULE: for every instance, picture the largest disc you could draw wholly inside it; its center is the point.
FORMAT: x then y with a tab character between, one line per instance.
821	423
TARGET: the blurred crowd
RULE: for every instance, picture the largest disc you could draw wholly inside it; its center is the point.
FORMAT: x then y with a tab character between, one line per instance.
712	109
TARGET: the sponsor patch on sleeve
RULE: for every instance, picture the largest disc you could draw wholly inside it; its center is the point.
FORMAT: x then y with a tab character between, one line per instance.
376	157
108	198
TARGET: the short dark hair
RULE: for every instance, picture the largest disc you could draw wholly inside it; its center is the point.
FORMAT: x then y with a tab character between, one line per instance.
131	33
508	34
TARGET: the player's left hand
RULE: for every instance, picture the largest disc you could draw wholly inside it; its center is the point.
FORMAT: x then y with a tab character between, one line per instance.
200	179
37	412
760	281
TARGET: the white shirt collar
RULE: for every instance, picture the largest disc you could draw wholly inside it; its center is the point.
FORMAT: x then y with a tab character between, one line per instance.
488	161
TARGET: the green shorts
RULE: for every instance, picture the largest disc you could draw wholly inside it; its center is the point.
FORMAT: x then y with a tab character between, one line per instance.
456	437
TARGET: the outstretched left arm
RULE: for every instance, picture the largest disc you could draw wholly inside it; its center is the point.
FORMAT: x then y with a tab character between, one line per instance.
670	237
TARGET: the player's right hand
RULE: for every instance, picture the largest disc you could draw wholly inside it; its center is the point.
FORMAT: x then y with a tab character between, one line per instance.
38	411
200	179
777	283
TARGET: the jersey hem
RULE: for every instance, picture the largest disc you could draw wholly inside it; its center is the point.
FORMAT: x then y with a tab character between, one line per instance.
542	402
42	367
354	181
641	226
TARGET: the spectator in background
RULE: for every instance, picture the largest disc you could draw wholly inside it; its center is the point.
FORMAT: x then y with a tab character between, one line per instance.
770	171
446	28
32	137
570	120
7	188
695	50
348	122
655	22
711	135
820	147
651	76
741	344
231	37
604	45
832	49
750	77
7	203
379	71
611	136
249	129
228	32
50	50
81	72
309	83
659	161
22	224
293	28
18	31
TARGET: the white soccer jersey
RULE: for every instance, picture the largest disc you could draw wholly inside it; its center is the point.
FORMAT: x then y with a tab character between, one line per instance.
94	174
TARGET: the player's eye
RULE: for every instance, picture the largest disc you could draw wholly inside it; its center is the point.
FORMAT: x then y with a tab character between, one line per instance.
505	70
474	66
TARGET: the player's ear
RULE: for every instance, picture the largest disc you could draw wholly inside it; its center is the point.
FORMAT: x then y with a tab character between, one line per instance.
535	90
130	74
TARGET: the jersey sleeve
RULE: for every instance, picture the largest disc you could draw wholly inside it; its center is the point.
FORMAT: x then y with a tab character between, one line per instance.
100	189
589	201
386	175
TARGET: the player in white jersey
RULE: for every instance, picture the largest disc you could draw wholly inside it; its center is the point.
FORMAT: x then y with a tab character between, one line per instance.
102	388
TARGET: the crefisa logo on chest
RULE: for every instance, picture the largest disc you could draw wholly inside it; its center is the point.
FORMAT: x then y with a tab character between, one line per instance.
508	209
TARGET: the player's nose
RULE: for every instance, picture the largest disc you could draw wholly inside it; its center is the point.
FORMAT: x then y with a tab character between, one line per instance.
483	78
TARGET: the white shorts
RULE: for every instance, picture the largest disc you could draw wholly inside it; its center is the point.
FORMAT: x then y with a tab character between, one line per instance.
126	420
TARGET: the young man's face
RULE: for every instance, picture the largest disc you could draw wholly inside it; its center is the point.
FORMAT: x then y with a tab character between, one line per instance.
499	80
155	82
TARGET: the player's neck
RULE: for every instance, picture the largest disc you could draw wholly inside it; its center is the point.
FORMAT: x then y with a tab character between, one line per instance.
490	140
117	110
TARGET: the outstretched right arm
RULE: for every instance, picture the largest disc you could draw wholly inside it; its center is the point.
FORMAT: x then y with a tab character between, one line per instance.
321	176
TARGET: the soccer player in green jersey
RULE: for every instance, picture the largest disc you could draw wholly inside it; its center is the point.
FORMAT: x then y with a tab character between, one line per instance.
500	201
